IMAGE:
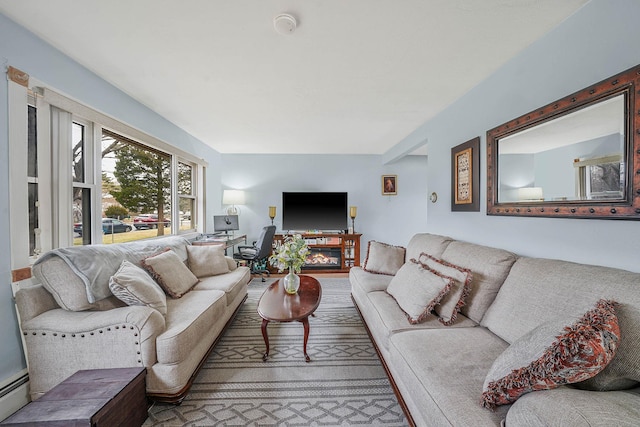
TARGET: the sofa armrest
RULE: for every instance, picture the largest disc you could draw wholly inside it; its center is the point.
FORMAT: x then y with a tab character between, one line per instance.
32	301
60	342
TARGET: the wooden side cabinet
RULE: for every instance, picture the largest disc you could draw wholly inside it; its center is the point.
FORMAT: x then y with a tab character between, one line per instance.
95	397
330	252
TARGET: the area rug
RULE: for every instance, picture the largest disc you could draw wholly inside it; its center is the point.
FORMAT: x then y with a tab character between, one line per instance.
344	384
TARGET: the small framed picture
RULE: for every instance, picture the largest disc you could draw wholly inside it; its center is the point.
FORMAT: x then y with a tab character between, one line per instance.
389	185
465	176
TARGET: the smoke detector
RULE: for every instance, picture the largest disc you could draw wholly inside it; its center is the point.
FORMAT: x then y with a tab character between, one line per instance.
285	23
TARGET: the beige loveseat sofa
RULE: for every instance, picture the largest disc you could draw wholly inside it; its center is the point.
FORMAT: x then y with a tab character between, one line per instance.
439	371
71	320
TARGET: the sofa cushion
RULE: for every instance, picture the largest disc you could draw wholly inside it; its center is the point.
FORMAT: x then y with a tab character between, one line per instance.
188	320
622	372
132	285
417	290
440	374
94	265
554	287
368	282
490	267
170	273
565	406
554	354
231	263
451	304
383	258
232	283
432	244
384	318
208	260
63	283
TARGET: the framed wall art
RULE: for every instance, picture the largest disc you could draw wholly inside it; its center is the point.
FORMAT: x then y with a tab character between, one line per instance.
465	176
389	185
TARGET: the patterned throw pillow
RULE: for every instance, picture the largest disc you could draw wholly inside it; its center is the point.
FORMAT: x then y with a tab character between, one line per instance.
551	356
417	290
207	260
133	286
170	272
383	258
451	304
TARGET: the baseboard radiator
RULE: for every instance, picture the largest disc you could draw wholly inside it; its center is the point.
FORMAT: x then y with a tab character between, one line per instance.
14	394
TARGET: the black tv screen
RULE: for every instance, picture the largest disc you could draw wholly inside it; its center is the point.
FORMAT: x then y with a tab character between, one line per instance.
314	211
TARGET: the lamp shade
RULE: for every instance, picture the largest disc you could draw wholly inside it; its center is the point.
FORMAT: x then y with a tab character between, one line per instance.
353	210
233	197
530	193
272	212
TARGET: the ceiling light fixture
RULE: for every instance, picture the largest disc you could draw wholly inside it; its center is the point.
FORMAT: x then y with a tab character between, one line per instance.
285	24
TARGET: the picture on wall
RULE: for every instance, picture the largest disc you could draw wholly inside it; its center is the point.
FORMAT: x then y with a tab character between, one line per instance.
465	176
389	185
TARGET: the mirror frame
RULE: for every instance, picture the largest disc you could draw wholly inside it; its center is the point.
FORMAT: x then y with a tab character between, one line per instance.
628	207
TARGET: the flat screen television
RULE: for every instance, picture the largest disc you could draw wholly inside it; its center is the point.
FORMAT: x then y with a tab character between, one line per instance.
314	211
225	222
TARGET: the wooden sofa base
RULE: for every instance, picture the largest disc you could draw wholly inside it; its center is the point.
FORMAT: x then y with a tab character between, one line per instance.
177	398
396	391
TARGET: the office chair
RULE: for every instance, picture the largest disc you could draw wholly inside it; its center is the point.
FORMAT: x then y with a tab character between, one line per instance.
258	253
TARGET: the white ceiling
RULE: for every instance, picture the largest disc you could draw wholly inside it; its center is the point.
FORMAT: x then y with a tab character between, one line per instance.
356	77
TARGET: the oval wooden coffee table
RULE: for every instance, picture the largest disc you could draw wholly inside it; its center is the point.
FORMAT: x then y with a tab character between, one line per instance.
276	305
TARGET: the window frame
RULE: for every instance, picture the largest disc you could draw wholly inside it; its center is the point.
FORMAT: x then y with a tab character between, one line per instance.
55	181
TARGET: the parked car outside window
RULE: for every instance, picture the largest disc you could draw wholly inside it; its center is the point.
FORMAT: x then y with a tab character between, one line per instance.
146	221
109	225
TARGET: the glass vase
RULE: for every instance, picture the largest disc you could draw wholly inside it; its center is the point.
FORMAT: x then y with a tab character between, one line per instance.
291	282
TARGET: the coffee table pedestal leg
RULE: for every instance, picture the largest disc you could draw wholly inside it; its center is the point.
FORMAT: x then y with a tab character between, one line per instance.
265	322
305	324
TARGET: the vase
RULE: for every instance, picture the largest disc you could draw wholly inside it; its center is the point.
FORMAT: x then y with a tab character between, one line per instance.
291	282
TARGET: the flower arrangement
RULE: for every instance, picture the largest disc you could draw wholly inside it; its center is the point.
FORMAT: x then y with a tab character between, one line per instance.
291	254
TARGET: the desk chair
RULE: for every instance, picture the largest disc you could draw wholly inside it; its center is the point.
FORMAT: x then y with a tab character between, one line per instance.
258	253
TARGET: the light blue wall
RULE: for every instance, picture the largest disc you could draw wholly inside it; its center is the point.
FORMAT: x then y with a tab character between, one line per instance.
21	49
598	41
391	219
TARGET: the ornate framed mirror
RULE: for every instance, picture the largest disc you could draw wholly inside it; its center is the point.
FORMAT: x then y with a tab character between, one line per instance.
578	157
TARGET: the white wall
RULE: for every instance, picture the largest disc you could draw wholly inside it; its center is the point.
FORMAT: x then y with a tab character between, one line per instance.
391	219
600	40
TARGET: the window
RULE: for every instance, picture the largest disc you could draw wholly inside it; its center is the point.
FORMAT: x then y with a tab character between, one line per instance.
186	196
82	188
94	169
137	179
32	178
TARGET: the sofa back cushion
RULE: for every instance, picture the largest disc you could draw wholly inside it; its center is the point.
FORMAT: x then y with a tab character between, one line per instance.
489	266
78	277
539	289
431	244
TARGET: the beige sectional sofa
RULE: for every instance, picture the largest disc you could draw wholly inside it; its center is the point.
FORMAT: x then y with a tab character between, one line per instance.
71	321
439	371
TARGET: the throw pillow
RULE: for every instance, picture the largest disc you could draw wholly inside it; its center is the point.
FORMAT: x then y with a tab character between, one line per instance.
417	290
133	286
207	260
551	356
451	304
383	258
170	272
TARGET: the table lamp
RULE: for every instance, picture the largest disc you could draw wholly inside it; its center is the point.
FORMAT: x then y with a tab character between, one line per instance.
353	210
272	213
233	198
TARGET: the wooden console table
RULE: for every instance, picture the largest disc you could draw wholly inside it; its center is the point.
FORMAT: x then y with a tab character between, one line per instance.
96	397
347	244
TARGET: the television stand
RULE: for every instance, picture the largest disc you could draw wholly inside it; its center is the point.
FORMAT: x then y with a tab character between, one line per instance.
330	252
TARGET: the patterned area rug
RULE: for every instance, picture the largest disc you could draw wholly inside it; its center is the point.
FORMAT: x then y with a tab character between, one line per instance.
344	384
